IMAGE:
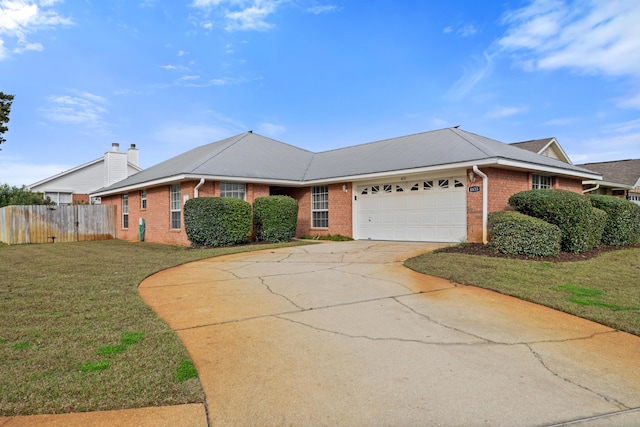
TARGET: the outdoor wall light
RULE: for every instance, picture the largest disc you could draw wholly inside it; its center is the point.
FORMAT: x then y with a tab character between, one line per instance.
344	188
472	177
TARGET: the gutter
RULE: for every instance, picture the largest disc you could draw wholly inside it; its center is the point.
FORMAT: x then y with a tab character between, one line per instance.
588	190
485	202
197	187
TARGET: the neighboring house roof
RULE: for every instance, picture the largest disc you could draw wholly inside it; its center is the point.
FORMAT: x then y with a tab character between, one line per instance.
34	186
256	158
619	173
549	147
92	175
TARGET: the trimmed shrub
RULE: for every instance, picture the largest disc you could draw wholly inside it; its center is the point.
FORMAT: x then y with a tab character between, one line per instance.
217	221
514	233
570	211
276	218
598	222
623	220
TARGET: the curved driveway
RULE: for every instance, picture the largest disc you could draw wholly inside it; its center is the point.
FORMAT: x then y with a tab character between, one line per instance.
343	334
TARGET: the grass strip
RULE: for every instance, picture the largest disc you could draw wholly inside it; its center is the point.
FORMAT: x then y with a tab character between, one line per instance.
61	305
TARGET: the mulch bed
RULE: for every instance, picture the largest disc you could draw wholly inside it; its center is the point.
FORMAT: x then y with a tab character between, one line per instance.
483	250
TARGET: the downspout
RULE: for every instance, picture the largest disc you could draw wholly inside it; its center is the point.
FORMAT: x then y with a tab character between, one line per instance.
195	190
589	190
485	201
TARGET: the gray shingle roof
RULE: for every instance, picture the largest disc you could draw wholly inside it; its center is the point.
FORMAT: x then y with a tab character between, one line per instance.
534	145
625	172
250	155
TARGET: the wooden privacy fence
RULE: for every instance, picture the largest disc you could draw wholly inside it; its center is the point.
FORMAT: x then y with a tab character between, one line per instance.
49	224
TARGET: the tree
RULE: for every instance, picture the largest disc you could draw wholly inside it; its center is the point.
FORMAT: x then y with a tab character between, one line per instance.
5	109
20	196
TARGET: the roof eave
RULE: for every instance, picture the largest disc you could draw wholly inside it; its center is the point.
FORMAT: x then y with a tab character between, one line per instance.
612	185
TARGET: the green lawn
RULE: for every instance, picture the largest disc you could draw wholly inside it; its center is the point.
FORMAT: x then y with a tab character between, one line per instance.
605	289
76	336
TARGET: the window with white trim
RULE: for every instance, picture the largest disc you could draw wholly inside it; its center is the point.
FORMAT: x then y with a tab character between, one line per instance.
125	211
233	189
59	198
143	199
541	182
320	206
175	206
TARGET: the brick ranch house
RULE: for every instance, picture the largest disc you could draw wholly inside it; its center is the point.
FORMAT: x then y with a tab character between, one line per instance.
436	186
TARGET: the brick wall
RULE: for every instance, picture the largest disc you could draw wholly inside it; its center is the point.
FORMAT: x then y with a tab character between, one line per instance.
340	206
503	184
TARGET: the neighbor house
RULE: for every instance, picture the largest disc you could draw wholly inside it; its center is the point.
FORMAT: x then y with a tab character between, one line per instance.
620	178
434	186
547	147
75	185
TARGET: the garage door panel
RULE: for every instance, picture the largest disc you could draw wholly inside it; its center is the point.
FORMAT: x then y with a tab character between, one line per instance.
434	213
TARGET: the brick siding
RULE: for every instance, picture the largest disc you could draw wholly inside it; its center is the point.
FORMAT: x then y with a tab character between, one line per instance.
502	185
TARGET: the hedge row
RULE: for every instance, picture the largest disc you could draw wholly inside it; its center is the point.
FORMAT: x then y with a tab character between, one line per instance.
583	222
224	221
622	225
514	233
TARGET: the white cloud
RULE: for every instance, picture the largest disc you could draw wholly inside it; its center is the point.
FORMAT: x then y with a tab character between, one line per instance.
502	112
447	30
630	101
18	173
237	15
318	10
270	129
471	77
80	108
561	121
615	141
599	37
20	18
251	18
467	31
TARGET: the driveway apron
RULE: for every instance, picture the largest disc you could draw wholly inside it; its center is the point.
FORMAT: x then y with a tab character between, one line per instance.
343	334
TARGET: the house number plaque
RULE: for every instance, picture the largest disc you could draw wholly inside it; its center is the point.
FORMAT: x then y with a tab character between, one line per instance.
474	189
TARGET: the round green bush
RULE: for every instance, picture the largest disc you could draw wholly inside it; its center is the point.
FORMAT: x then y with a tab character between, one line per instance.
570	211
514	233
622	226
217	221
276	218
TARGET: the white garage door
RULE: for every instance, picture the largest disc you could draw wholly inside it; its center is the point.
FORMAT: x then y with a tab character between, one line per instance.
429	210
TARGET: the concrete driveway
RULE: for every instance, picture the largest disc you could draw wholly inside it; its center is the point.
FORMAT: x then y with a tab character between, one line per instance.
343	334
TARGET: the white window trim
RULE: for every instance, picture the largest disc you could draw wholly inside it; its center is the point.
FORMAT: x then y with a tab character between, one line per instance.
537	184
125	211
143	199
233	189
175	206
316	192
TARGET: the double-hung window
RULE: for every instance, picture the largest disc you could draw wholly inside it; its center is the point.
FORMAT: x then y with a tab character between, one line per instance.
143	199
125	211
541	182
175	206
233	189
320	206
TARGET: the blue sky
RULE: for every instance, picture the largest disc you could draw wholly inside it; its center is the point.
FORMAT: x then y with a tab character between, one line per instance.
170	75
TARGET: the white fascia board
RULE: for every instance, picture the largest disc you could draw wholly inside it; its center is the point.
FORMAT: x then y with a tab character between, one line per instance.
189	177
399	173
612	185
559	147
548	169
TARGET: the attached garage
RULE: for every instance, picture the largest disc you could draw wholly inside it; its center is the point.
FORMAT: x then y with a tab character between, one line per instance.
428	209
